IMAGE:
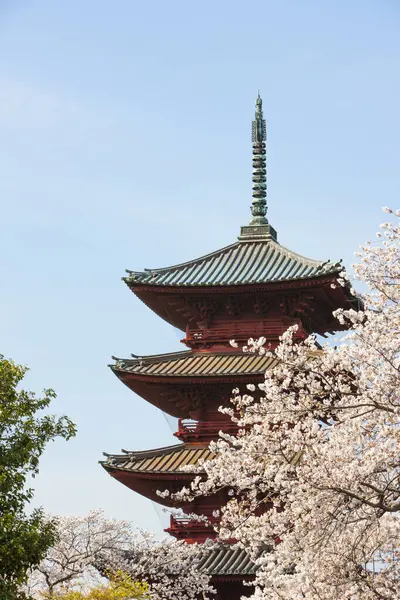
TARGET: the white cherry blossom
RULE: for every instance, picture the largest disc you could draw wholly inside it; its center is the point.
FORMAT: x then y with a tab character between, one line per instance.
314	473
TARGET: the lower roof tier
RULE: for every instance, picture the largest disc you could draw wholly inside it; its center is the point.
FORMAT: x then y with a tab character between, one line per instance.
227	561
194	364
170	459
191	384
148	471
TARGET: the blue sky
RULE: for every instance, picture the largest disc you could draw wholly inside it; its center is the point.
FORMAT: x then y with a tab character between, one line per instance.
125	143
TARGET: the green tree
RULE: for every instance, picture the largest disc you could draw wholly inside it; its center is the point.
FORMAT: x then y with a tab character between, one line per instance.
24	434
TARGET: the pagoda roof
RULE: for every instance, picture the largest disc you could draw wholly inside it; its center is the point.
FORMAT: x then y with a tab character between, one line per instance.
196	364
170	459
182	384
225	561
249	261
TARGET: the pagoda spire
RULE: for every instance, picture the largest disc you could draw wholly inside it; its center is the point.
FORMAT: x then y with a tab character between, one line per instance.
259	227
259	137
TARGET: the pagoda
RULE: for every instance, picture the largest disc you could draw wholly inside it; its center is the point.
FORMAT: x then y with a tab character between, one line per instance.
254	287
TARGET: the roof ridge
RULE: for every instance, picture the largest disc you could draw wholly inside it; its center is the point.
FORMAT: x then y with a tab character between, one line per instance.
151	357
296	255
193	261
174	356
137	454
177	354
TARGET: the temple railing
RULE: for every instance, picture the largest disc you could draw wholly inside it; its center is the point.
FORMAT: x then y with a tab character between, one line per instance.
240	331
184	527
196	431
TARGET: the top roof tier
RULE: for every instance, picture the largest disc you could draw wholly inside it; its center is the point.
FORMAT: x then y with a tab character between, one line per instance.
245	262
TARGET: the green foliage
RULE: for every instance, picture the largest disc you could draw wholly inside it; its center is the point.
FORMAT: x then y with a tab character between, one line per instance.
120	587
24	435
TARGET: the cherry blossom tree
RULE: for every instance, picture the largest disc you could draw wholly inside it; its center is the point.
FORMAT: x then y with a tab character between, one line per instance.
169	567
92	547
80	542
314	473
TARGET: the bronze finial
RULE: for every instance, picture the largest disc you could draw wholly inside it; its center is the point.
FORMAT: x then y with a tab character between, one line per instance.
259	137
259	227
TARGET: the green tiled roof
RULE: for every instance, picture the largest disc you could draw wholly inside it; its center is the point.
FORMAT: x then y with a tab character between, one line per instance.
192	364
245	262
226	561
221	561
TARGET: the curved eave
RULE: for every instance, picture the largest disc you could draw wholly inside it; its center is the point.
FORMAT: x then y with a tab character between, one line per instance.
241	287
170	380
147	484
161	298
233	579
149	471
120	472
163	392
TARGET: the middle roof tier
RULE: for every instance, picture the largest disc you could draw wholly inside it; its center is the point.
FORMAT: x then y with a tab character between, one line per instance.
191	384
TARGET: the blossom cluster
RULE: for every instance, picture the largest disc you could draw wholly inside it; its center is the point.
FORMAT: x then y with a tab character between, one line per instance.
90	547
314	473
